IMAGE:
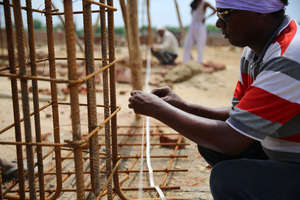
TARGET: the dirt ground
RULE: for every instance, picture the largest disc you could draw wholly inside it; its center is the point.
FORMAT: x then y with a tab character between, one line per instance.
208	89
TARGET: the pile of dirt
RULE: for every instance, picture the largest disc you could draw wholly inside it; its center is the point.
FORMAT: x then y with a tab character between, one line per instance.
183	72
173	74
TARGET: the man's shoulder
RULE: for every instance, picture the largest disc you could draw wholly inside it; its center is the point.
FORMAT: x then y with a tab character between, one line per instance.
283	65
287	43
169	33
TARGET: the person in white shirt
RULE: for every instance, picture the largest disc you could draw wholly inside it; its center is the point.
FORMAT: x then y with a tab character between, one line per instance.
197	31
167	51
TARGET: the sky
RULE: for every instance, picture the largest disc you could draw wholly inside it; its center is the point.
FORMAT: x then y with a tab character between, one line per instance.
163	12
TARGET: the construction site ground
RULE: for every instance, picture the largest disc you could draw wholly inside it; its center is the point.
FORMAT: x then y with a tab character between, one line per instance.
209	89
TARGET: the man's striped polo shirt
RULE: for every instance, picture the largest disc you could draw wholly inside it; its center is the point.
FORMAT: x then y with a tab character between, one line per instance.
266	102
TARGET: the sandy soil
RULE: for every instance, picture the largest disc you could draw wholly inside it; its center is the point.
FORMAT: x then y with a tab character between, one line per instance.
209	89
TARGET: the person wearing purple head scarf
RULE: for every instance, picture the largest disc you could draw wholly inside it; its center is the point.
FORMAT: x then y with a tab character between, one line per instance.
253	145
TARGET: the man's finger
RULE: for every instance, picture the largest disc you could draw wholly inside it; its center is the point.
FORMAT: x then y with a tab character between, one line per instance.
160	91
134	92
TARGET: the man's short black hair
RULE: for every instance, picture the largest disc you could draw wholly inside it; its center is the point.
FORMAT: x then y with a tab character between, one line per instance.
280	14
285	2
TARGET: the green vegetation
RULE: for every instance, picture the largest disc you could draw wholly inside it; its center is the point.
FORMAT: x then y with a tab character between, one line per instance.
37	24
120	30
58	27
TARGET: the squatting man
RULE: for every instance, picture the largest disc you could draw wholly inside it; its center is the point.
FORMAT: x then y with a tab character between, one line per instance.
254	145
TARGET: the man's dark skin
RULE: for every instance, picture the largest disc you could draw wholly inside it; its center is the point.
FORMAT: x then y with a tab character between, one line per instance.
206	126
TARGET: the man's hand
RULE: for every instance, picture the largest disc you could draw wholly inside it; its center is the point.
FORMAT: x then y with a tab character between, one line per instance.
145	103
166	94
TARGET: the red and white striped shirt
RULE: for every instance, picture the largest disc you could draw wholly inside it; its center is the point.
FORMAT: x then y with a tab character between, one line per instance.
266	102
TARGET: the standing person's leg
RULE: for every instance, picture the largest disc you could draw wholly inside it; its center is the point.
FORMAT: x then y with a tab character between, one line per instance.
254	151
188	45
245	179
201	42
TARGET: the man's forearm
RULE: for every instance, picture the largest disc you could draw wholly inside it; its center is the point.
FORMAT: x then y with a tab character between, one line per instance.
213	134
210	113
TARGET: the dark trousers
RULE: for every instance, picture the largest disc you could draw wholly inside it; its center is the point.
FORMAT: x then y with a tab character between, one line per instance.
165	57
251	176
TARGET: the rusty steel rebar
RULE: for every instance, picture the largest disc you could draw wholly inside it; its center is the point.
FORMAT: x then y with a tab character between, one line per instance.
14	89
24	8
137	157
91	97
106	98
21	120
74	98
119	171
35	94
78	81
123	188
164	179
111	52
55	112
87	180
77	40
74	12
24	92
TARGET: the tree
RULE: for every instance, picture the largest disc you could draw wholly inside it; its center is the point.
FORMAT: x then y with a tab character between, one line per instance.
37	24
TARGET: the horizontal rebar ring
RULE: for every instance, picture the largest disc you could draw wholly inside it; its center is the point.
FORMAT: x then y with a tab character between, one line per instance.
71	82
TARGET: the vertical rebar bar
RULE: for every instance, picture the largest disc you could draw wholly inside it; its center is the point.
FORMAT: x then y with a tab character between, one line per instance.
55	113
25	97
106	98
35	99
111	51
91	97
14	90
74	98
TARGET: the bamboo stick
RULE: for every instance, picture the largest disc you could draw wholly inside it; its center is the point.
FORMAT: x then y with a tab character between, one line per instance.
179	21
134	45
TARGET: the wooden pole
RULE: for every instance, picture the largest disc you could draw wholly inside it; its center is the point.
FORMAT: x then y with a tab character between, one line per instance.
150	41
125	19
179	21
135	60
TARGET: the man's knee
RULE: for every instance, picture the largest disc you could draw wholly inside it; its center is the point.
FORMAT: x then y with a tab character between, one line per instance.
222	182
218	177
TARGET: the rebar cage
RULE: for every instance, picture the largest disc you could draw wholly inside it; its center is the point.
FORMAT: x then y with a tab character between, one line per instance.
71	147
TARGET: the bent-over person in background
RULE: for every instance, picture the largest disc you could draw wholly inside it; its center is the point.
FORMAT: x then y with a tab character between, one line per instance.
167	51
